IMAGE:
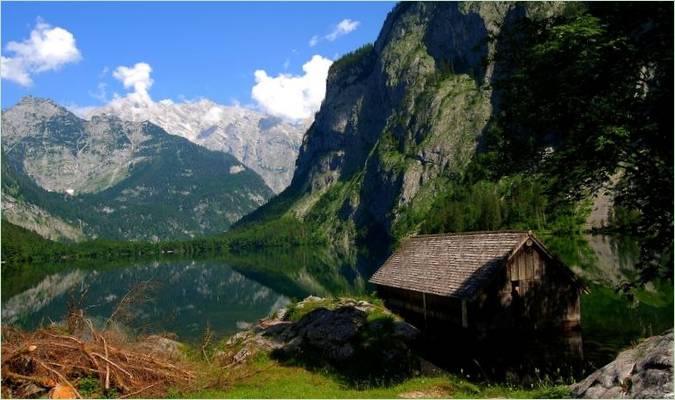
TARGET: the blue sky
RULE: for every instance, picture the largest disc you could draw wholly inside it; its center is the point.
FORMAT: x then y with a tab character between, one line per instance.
194	50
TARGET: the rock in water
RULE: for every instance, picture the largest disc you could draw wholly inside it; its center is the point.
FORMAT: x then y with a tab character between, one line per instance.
642	372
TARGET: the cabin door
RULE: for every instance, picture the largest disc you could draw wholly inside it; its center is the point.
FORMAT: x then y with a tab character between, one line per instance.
517	306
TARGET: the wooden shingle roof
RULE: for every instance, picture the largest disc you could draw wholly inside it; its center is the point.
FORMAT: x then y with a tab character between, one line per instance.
453	265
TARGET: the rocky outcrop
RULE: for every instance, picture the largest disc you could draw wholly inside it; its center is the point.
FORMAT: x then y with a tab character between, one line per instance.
343	333
644	371
602	206
601	211
161	346
36	219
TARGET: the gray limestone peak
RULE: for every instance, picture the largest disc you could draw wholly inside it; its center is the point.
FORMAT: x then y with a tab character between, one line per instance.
64	153
114	178
266	144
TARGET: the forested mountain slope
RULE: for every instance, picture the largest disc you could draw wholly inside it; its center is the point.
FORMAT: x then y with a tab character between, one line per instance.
468	116
67	178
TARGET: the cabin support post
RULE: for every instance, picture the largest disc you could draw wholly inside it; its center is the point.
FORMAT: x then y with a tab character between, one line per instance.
424	305
465	317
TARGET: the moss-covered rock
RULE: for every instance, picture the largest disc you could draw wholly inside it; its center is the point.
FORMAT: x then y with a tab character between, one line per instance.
355	339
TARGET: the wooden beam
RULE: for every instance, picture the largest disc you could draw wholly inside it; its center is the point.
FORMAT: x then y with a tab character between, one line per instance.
424	303
465	316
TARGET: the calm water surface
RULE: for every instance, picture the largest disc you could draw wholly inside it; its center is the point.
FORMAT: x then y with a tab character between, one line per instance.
226	295
180	297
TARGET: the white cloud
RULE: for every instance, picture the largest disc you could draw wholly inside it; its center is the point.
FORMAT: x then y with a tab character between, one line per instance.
138	78
213	116
48	48
342	28
290	97
80	111
100	93
293	97
14	70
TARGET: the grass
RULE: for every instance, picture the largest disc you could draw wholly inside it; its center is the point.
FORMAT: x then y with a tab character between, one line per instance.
264	377
90	387
299	310
267	376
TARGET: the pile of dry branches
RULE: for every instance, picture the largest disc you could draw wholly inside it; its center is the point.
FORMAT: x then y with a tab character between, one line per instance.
50	360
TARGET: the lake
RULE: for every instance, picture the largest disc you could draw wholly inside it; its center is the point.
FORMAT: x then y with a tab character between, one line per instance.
178	296
230	293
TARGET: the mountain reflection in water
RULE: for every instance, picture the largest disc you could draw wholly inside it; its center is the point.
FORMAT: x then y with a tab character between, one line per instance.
179	297
230	293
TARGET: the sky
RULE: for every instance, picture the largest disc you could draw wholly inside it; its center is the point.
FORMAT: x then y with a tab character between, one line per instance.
272	56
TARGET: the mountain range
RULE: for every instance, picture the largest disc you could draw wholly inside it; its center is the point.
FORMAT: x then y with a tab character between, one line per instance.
69	178
266	144
456	118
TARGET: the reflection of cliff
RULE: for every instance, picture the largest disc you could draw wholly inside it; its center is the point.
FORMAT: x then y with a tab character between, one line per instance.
37	297
301	272
183	297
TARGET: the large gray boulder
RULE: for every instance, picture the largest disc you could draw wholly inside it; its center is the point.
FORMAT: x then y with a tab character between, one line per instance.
360	340
328	332
644	371
361	344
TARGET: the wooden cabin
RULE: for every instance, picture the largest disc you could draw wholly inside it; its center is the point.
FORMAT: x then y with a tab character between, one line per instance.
481	281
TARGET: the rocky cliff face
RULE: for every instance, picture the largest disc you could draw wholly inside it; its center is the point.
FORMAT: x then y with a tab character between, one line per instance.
69	178
38	220
63	153
402	116
266	144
